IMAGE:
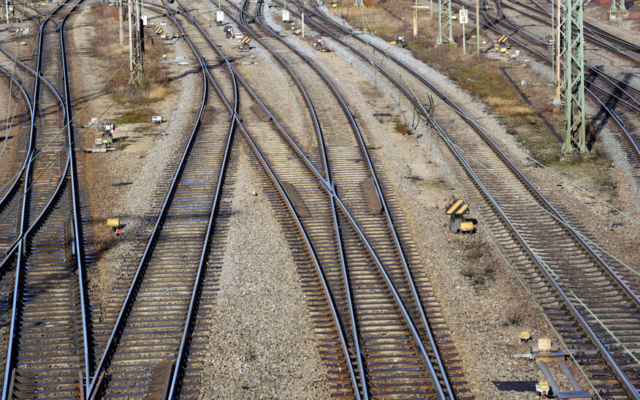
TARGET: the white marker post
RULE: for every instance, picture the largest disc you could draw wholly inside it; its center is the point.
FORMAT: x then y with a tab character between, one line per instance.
464	19
302	24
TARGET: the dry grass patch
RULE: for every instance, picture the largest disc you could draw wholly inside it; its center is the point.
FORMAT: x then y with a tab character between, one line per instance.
507	107
476	74
114	57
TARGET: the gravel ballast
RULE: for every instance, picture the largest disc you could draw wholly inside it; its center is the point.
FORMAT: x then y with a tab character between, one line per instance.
262	344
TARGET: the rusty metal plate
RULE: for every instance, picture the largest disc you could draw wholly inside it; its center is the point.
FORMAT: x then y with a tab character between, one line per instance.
260	113
374	205
159	383
296	200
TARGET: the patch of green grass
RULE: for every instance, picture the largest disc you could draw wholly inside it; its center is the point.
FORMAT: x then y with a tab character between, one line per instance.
136	116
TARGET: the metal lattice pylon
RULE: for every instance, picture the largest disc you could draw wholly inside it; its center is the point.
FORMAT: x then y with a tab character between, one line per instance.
617	6
135	43
359	3
559	54
445	29
574	79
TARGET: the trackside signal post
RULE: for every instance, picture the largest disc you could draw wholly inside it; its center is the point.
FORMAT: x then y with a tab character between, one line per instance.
445	32
575	125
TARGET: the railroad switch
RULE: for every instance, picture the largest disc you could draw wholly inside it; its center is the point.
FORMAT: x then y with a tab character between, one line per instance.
543	389
457	209
524	337
546	354
544	350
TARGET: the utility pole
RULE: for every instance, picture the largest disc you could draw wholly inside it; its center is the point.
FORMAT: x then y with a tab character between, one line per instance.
415	17
445	30
574	85
6	7
560	52
130	42
415	20
121	19
478	27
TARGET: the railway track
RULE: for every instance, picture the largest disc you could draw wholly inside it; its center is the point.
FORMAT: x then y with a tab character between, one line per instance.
47	350
269	148
10	195
618	100
9	202
592	33
153	328
349	165
9	224
554	259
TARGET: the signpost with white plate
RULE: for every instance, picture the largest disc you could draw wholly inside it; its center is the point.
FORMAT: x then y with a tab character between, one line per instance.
464	20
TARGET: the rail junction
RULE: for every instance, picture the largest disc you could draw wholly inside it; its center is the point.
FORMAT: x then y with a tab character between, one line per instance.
379	325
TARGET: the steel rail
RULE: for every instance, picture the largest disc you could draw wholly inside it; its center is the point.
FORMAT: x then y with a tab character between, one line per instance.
137	279
75	187
31	154
433	375
330	191
334	215
272	177
10	358
32	137
301	228
626	134
330	300
193	306
592	335
14	186
607	77
24	228
588	27
514	168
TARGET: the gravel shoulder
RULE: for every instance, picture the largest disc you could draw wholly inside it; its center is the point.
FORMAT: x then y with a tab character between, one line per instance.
262	344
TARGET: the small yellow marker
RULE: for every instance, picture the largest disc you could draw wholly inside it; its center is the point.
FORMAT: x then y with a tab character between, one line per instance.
524	337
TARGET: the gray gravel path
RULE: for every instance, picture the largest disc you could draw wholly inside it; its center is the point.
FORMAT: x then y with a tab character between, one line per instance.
262	344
